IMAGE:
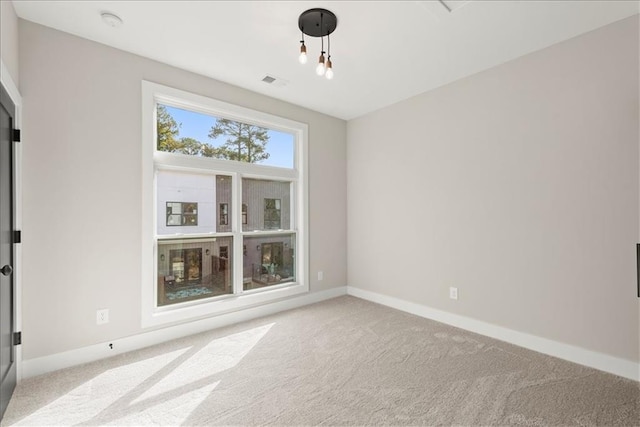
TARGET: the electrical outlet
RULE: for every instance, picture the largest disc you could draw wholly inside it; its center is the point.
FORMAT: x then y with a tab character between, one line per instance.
102	316
453	293
320	275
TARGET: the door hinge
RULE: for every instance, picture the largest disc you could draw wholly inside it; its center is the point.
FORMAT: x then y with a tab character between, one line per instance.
17	236
16	135
17	338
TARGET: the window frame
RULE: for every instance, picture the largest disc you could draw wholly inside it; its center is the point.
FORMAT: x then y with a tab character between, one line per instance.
152	159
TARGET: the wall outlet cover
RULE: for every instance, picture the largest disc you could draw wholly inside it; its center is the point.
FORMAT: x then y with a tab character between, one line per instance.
102	316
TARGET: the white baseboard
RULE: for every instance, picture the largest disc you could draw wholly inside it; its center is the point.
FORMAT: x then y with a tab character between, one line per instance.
592	359
54	362
603	362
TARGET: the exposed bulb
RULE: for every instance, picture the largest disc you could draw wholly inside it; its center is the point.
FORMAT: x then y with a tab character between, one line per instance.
320	69
303	54
329	73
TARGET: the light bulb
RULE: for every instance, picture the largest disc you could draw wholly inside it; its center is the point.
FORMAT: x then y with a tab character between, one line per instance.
303	54
329	73
320	69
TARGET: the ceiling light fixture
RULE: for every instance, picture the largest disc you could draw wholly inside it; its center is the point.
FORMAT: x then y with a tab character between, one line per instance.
318	23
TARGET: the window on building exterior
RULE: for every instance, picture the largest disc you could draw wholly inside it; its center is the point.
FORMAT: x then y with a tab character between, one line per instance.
181	213
224	214
206	163
224	252
271	214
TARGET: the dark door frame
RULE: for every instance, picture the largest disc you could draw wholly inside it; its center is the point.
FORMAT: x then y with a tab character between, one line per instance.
11	90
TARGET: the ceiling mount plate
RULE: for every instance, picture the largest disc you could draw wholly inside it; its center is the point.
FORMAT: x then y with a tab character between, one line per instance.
317	22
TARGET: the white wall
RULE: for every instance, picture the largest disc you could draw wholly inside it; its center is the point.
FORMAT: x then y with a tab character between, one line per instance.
82	135
9	39
519	186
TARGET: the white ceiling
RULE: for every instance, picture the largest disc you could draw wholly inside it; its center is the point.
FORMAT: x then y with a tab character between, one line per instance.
382	51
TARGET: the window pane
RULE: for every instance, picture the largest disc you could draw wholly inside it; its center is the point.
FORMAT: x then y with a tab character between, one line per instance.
268	204
190	203
173	220
194	269
182	214
197	134
268	260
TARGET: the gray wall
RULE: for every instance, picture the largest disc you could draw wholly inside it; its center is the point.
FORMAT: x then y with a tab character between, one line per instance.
82	164
519	186
9	39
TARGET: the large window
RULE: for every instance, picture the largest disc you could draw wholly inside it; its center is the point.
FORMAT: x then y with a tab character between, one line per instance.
225	203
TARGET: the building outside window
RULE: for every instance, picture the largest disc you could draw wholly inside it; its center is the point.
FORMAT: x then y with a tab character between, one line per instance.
271	214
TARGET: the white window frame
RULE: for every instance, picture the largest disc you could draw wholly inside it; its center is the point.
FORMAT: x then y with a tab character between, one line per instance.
152	94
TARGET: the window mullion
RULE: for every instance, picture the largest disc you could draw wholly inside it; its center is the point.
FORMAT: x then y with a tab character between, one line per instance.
236	221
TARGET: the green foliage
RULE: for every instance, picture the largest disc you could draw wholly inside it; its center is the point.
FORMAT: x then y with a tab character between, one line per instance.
190	146
168	130
210	151
245	143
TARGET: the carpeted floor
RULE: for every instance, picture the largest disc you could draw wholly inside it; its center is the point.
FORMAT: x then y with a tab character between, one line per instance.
341	362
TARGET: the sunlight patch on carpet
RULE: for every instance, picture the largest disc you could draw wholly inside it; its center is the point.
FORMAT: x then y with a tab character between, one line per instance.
217	356
156	390
91	398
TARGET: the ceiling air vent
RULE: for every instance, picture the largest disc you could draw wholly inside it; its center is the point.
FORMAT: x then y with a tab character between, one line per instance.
274	81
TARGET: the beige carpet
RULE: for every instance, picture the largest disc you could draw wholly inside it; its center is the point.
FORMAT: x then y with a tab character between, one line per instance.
341	362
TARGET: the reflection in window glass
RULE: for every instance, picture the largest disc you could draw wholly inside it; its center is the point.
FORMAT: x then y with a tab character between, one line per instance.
268	260
193	269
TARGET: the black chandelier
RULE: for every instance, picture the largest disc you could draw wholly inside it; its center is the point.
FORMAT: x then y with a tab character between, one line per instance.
318	23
